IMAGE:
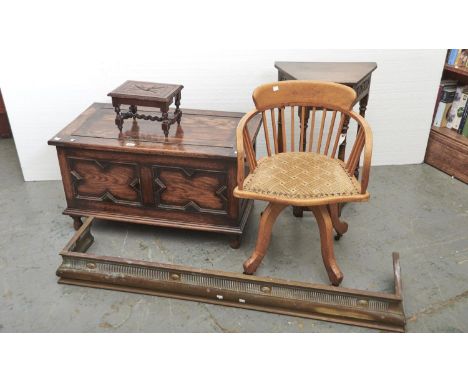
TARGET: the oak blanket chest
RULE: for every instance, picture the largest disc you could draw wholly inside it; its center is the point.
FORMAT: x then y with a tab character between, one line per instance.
138	175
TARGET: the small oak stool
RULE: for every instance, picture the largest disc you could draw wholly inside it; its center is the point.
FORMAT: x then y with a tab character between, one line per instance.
150	94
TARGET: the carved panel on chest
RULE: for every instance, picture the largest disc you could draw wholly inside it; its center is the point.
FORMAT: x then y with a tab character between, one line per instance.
190	190
105	181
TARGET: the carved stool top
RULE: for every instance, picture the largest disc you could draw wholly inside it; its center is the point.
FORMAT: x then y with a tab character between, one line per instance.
146	91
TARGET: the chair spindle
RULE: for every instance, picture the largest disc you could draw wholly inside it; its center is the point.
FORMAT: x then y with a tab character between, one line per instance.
312	127
330	132
355	152
249	150
273	127
267	135
292	128
283	128
322	124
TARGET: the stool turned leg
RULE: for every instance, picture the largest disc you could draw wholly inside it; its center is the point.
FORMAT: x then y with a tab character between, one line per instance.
165	123
133	109
340	226
118	117
326	240
178	112
77	223
267	220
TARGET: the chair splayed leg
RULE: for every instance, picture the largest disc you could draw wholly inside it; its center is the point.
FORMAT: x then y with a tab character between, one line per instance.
340	227
325	224
267	220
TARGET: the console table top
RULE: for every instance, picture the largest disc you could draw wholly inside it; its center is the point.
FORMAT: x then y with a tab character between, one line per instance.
347	73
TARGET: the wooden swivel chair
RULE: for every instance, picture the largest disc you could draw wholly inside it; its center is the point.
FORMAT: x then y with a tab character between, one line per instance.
309	175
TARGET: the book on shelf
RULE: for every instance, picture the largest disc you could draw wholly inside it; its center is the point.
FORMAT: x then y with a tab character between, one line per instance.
462	59
458	58
439	95
446	100
463	125
452	56
465	130
442	85
458	106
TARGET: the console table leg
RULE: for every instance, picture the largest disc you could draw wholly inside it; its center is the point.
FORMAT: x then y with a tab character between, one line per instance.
363	105
362	112
280	133
306	124
342	148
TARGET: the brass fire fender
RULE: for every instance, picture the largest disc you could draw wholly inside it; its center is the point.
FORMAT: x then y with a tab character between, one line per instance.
347	306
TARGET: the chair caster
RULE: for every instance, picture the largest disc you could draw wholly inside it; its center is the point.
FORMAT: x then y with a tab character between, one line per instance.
298	212
338	236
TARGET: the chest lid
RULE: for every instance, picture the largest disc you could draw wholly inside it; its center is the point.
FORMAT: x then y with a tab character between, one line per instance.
202	133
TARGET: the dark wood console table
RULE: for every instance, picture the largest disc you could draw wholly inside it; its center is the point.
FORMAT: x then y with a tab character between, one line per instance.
356	75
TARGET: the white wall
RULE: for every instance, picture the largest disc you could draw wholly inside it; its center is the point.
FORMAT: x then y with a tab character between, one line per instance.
45	91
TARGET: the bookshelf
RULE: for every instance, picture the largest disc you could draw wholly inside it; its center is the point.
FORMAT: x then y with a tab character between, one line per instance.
456	71
446	149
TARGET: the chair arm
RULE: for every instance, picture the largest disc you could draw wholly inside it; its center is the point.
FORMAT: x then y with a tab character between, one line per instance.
240	146
367	150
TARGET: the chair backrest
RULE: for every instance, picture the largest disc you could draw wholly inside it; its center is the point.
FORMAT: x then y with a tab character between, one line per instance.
318	93
305	116
321	105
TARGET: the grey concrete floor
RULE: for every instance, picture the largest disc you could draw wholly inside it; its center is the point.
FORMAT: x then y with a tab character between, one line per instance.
415	210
